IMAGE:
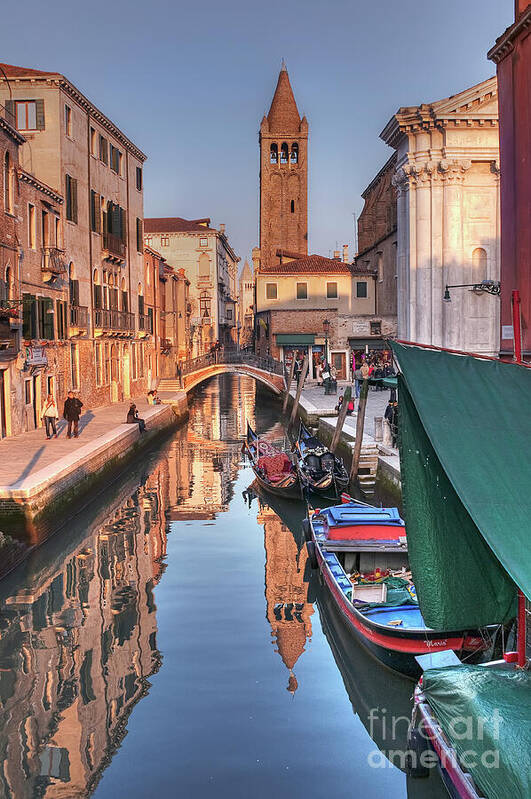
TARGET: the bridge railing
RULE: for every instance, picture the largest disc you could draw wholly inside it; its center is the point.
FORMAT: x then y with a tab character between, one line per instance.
230	356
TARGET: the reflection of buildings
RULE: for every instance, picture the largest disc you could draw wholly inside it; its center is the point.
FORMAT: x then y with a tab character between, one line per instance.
76	650
288	610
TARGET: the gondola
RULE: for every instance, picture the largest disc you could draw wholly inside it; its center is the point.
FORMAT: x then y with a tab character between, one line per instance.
371	543
272	468
319	469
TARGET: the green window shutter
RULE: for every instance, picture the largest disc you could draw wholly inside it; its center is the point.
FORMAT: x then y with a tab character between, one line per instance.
97	297
28	316
139	236
97	200
39	108
68	198
150	317
74	200
122	225
47	317
92	210
125	301
140	305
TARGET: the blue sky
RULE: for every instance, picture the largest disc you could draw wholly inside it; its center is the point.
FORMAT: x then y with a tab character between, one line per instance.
190	82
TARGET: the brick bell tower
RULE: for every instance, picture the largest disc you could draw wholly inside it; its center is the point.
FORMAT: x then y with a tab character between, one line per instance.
283	177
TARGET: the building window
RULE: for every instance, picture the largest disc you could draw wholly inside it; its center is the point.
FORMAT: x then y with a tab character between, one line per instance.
26	114
139	178
376	328
8	184
331	291
204	265
148	240
71	198
68	121
205	302
292	207
379	266
95	212
93	142
271	291
284	154
27	392
273	154
115	160
361	288
31	227
479	262
58	232
139	235
164	241
45	229
29	316
302	291
97	355
228	313
134	370
294	153
106	363
104	152
203	242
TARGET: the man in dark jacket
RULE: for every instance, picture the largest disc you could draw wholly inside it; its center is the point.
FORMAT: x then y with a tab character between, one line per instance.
391	414
72	412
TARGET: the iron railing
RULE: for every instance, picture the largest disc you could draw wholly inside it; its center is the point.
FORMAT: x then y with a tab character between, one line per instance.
228	356
110	319
114	244
53	260
145	322
79	316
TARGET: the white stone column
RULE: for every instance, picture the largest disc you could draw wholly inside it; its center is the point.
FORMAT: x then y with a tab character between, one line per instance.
401	183
423	265
453	173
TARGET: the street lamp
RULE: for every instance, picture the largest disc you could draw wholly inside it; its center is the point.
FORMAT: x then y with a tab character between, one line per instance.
488	286
326	328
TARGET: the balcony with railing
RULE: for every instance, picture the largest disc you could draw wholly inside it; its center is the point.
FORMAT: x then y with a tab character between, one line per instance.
145	323
114	245
53	260
111	320
78	316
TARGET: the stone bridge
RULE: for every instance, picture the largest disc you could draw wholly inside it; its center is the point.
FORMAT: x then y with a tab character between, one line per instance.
265	370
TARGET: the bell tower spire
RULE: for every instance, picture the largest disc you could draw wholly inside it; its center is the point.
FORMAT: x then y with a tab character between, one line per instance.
283	177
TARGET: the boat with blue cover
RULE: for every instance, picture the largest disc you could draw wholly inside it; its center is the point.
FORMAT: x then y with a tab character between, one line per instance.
361	552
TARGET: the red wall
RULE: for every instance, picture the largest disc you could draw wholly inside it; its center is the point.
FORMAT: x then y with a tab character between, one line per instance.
514	92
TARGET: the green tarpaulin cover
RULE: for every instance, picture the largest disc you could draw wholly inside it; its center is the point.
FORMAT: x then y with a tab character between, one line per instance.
484	712
464	435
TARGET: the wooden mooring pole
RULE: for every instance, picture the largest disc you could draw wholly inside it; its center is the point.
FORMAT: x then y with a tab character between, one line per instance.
288	387
341	419
360	424
302	378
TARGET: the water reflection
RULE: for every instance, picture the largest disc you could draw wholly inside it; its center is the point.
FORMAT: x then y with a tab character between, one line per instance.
80	638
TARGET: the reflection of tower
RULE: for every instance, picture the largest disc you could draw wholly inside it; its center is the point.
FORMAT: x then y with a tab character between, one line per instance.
288	610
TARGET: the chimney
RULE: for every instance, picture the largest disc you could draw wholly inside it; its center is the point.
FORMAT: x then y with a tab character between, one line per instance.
345	253
336	255
222	228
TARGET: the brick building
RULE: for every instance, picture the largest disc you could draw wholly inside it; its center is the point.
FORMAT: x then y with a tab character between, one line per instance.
376	259
512	56
210	264
81	244
283	177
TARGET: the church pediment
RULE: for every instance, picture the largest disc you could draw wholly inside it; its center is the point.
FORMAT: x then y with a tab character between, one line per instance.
479	101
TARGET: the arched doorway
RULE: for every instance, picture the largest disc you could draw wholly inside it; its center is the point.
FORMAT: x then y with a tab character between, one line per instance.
115	372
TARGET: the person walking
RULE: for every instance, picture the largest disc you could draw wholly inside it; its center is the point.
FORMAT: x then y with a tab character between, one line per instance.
391	415
72	412
50	414
134	418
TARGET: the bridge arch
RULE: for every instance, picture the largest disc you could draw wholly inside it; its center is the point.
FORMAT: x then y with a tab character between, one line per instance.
273	382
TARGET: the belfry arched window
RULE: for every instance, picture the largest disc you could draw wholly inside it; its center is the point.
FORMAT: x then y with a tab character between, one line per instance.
284	153
273	154
294	153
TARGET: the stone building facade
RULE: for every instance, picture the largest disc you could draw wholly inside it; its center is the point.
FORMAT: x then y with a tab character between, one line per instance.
447	179
283	177
512	56
246	306
81	244
376	258
210	264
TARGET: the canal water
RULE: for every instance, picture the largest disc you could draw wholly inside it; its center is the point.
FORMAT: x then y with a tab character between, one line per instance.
172	641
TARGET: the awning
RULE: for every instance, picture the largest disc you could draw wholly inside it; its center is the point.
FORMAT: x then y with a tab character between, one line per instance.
371	343
294	339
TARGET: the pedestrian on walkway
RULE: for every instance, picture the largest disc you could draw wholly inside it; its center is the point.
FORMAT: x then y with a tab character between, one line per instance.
391	416
72	412
134	418
50	414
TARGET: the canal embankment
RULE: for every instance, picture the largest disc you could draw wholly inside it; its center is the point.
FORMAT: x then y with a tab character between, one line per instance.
380	462
43	481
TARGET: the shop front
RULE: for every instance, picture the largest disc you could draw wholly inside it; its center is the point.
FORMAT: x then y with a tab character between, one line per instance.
372	350
299	345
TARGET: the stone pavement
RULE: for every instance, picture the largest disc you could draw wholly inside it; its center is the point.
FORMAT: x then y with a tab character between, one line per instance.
376	401
28	453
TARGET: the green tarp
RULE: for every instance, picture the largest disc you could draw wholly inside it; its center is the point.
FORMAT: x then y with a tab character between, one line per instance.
484	712
464	433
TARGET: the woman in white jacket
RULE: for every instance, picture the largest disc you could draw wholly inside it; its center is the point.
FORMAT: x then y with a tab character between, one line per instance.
50	414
